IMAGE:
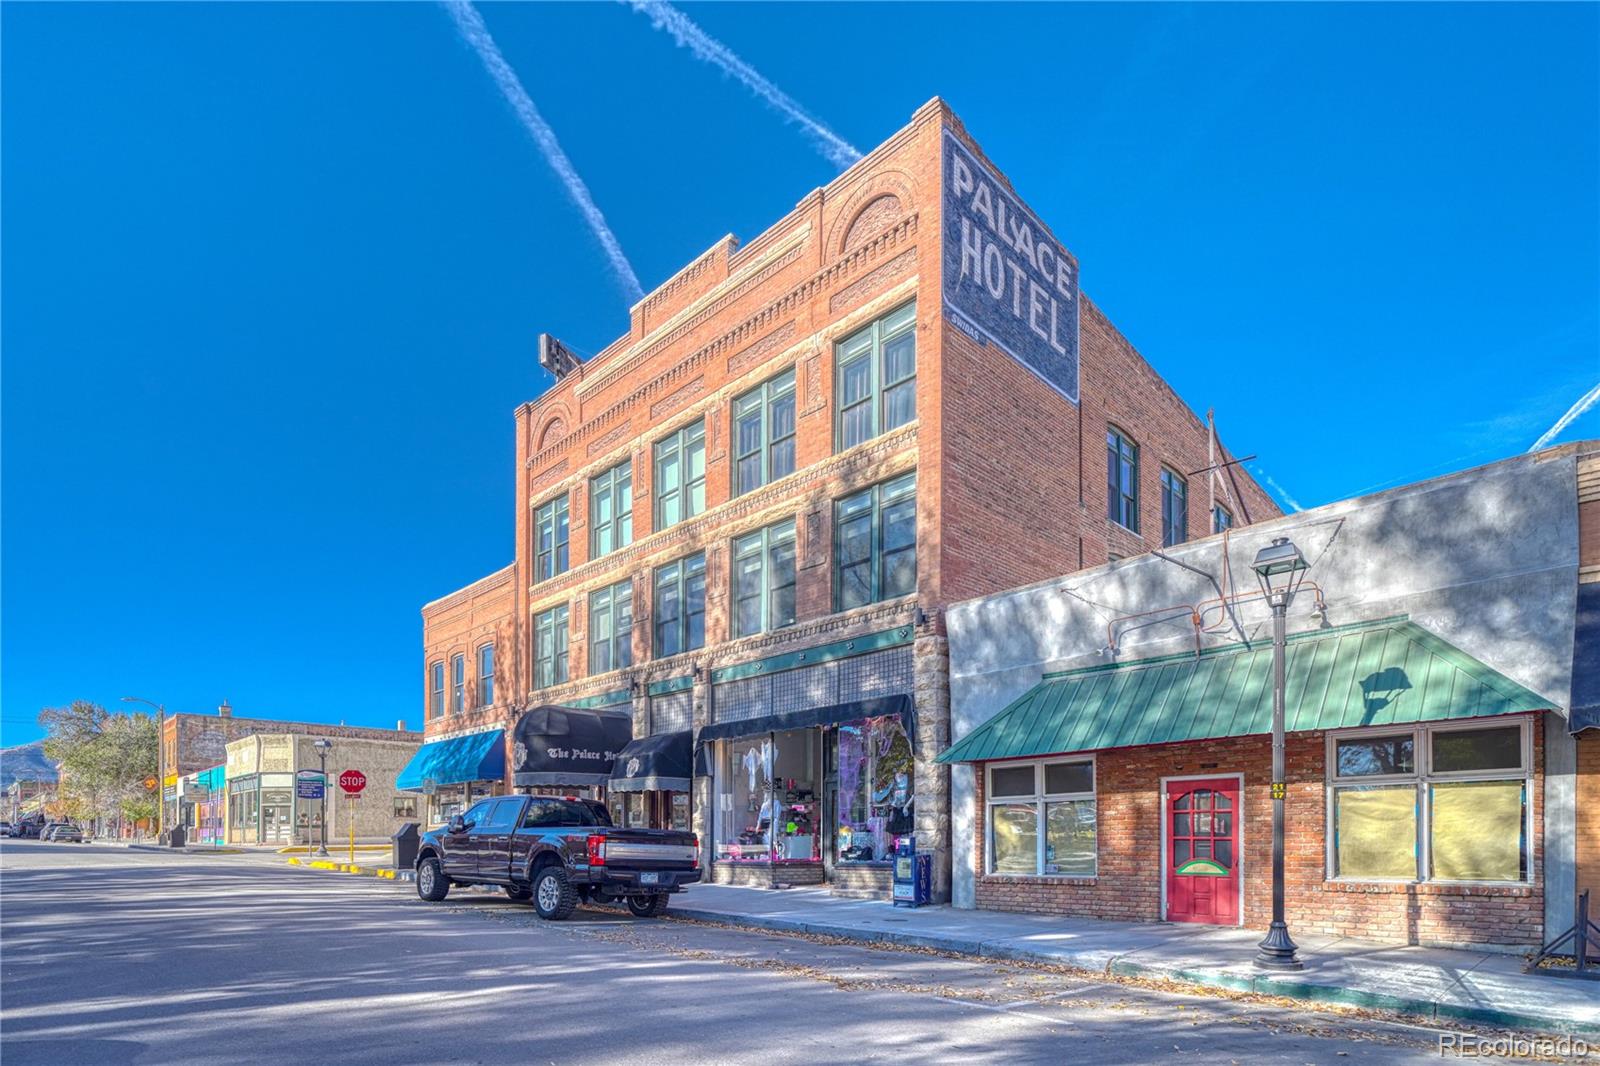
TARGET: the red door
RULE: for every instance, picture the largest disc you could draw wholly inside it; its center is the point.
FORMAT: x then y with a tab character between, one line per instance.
1202	863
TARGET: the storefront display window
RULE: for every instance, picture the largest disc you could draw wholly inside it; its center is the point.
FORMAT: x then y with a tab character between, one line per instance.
875	789
744	796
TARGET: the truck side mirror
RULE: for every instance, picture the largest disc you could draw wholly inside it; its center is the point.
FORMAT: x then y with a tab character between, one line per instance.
457	824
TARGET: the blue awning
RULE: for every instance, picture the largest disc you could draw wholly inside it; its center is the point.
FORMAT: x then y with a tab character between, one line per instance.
474	757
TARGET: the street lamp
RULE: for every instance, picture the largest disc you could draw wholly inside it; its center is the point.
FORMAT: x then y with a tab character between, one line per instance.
1280	568
322	744
161	760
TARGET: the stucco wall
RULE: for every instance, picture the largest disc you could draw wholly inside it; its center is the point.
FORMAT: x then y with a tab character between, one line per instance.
1486	559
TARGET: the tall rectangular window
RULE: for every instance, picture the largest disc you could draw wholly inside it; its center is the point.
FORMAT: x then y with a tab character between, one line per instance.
680	607
486	675
550	647
611	510
763	580
436	706
1174	509
611	628
680	488
458	684
763	434
875	543
1040	819
875	378
550	539
1221	519
1446	801
1122	479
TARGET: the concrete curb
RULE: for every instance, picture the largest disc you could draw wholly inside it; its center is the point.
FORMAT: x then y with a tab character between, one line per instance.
1231	981
383	873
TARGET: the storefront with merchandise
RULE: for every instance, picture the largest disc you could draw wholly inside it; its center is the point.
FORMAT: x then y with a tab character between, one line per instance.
823	794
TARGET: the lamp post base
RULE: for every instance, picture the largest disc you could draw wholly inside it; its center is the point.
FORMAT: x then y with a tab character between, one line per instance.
1277	951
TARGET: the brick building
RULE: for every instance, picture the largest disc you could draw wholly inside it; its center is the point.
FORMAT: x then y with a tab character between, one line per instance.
740	522
1114	760
192	743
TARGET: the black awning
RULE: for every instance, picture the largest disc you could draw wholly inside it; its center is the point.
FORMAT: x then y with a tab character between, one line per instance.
567	745
1585	712
815	716
654	764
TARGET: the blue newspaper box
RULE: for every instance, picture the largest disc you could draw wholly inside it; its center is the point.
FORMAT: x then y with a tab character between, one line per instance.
913	875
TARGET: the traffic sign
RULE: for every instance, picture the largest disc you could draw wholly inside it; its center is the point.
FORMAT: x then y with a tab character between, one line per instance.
353	781
309	784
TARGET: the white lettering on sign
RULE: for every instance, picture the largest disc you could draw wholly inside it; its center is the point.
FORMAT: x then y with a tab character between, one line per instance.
1006	280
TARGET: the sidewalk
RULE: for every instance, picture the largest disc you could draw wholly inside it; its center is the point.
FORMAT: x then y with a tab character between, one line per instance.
1442	985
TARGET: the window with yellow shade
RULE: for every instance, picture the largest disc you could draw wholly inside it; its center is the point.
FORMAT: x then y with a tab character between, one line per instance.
1438	802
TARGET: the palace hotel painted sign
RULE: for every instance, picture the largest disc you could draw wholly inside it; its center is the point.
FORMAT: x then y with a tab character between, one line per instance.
1007	282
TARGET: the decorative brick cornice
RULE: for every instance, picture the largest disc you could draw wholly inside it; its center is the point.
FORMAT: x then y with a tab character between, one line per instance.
737	287
477	588
887	243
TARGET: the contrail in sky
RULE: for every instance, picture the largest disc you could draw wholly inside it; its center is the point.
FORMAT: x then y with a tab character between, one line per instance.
663	16
1293	503
1586	401
472	29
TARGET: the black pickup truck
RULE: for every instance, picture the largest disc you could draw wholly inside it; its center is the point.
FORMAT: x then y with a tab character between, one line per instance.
557	852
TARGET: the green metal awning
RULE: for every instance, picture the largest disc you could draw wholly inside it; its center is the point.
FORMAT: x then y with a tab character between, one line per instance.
1377	673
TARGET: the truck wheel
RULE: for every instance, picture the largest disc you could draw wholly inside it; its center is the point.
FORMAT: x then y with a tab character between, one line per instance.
519	893
432	885
649	906
553	895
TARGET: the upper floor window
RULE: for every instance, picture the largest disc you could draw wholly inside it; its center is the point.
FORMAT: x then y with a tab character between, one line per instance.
486	675
436	704
1221	518
458	684
550	539
611	628
680	607
763	580
680	475
1174	509
550	647
611	510
875	543
1122	479
876	377
763	433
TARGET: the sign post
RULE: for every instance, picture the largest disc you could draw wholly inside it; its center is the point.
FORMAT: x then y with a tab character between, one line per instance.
352	781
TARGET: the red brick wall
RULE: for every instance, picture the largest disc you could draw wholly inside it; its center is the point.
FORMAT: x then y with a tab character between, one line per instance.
459	624
1128	885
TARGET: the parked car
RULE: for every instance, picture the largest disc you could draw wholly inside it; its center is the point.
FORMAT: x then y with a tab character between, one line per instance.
66	832
557	852
5	829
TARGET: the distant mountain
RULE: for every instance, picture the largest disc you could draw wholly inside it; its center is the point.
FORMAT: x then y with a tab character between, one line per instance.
26	762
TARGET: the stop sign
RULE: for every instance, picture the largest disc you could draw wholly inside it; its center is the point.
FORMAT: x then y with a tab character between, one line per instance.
352	781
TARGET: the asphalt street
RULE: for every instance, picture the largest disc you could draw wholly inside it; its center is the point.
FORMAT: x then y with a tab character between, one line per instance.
116	956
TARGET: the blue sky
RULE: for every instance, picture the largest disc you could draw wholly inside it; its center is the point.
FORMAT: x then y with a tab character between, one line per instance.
273	274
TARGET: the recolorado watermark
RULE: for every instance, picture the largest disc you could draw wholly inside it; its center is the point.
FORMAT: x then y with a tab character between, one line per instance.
1510	1046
